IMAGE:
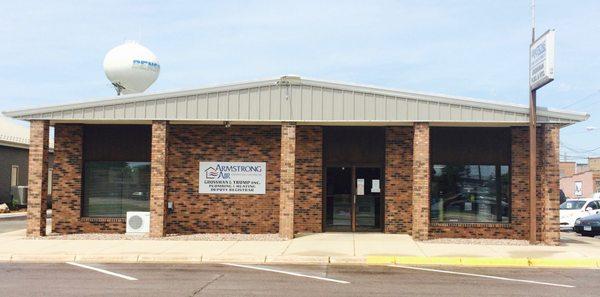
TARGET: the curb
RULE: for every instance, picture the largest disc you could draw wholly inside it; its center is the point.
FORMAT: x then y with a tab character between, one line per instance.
12	216
487	262
305	260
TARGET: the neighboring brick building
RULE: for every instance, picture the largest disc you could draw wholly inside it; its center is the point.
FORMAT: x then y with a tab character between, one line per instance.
580	180
291	155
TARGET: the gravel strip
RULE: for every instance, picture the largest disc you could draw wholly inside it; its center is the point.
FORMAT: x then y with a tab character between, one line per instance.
175	237
478	241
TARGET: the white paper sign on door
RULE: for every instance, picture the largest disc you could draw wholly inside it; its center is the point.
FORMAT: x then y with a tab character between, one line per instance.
375	186
360	186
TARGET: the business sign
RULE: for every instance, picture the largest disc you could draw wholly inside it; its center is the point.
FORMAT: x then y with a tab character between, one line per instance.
232	177
541	61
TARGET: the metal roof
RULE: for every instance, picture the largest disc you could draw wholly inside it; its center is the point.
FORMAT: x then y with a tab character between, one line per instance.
295	99
15	135
12	134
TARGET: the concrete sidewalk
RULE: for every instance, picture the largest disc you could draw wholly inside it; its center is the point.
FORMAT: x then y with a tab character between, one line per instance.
322	248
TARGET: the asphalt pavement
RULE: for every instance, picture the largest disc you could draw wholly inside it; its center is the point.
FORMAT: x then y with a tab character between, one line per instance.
76	279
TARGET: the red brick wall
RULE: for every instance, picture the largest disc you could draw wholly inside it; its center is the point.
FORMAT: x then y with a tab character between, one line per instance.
206	213
195	213
66	186
398	179
308	206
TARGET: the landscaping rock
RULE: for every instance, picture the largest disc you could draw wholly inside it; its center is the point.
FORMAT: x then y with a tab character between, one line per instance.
4	208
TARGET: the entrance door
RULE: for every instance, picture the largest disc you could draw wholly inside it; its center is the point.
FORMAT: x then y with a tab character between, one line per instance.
367	206
353	199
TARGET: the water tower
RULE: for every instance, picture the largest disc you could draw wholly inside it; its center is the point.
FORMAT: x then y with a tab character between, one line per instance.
131	68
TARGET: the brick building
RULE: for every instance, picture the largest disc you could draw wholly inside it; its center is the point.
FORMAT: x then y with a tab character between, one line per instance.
580	180
293	155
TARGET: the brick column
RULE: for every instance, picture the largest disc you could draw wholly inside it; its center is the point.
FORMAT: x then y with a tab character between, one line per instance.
38	179
420	189
550	188
398	179
158	179
286	194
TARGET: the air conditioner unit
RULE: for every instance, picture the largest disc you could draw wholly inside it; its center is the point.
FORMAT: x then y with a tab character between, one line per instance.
19	195
138	222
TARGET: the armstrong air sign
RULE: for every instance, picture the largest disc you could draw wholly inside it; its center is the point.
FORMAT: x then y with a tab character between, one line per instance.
232	177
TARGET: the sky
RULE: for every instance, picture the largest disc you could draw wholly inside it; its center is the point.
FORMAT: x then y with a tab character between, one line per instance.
53	50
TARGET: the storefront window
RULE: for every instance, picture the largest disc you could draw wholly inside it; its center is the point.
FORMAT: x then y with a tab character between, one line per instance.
112	188
470	193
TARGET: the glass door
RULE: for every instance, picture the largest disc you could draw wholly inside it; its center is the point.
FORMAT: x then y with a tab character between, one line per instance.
368	193
339	199
353	198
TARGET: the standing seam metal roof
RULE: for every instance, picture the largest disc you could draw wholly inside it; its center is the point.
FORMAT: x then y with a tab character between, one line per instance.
291	98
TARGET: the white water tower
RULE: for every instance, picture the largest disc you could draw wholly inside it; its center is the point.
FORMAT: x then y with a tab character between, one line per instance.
131	68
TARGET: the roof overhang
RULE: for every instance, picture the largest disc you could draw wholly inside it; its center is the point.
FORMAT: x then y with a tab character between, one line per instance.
292	99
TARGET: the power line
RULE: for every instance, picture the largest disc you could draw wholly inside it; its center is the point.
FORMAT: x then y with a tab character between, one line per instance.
582	99
581	151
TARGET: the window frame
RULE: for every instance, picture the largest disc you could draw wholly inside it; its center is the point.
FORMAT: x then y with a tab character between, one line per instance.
498	168
506	161
93	130
85	210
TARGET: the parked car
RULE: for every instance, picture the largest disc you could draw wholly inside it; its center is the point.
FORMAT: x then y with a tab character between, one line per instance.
574	209
588	226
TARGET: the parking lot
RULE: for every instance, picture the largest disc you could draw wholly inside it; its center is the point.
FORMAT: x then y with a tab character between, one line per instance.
72	279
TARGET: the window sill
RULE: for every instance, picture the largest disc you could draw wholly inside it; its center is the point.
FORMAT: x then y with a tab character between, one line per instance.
101	220
470	225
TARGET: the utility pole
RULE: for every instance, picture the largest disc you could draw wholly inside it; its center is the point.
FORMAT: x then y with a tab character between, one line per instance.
532	146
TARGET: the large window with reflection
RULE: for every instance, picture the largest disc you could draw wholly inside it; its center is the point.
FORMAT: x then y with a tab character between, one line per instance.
470	175
114	188
116	177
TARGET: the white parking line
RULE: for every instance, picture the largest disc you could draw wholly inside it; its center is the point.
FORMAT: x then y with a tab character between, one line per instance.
103	271
288	273
483	276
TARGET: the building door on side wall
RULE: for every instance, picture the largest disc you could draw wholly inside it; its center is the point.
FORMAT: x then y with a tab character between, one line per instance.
353	199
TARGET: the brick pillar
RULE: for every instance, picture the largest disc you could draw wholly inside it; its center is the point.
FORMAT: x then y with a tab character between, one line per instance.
420	189
286	194
398	179
550	188
158	179
38	179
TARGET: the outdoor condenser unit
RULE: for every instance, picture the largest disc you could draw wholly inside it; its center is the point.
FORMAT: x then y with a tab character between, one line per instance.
19	195
138	222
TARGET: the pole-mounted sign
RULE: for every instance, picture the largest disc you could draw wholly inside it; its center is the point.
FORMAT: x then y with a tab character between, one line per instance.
541	72
541	61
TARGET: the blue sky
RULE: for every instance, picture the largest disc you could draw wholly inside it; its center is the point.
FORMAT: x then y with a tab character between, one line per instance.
53	50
